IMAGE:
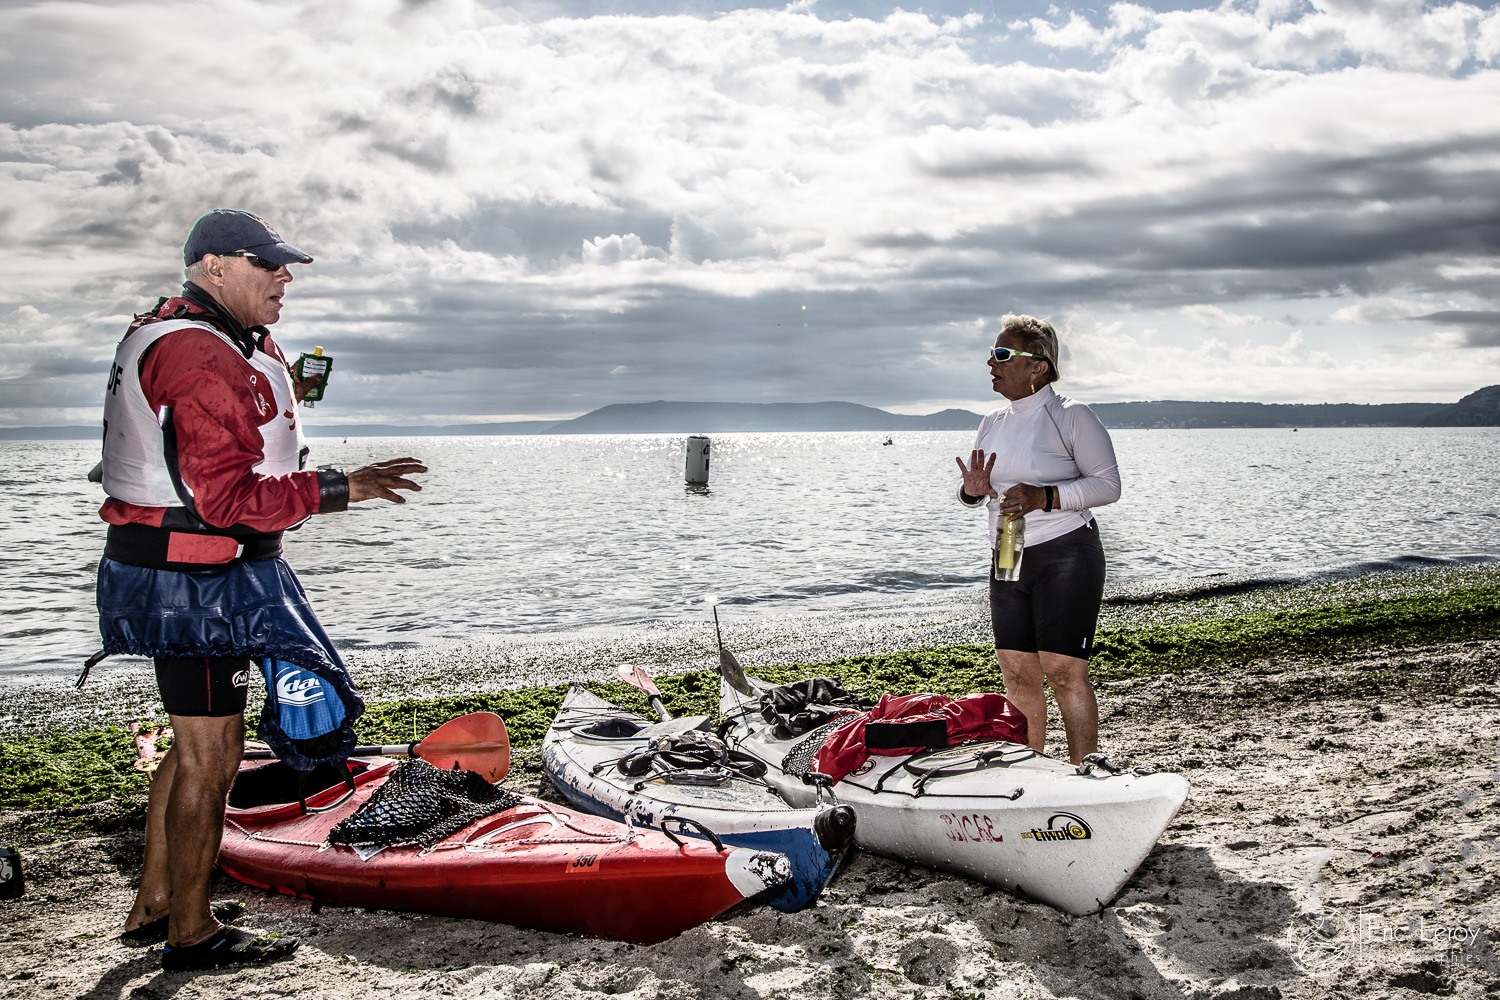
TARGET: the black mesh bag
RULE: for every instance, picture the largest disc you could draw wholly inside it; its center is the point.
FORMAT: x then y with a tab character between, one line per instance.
421	804
798	760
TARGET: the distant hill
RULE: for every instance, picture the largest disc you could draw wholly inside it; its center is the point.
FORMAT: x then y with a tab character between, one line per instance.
662	417
1186	413
417	430
1477	409
72	432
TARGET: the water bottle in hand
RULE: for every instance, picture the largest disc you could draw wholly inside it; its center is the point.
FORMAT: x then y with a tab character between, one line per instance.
1010	544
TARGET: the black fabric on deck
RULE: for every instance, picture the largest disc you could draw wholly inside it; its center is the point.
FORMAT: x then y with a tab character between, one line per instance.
690	758
794	709
421	804
613	729
276	783
898	734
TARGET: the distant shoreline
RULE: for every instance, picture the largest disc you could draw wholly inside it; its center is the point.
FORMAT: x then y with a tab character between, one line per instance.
1478	409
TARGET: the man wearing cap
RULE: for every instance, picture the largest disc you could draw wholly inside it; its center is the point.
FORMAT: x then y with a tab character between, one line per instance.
204	467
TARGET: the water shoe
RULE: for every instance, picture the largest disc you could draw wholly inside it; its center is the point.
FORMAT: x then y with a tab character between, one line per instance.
225	911
230	946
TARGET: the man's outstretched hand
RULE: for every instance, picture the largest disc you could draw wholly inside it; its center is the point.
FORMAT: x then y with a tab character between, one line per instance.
383	479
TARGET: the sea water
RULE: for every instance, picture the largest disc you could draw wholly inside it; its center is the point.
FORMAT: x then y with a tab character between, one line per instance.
550	537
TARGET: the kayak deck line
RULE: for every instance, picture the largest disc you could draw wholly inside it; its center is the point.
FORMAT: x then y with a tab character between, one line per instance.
471	844
609	761
544	813
1000	812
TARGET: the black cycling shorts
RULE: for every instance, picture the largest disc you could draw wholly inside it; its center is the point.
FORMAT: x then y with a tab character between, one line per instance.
214	686
1054	607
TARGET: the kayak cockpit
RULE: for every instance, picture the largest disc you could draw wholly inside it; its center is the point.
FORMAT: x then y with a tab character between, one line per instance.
613	728
269	789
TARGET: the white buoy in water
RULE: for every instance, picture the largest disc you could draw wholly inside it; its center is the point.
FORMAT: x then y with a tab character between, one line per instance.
697	459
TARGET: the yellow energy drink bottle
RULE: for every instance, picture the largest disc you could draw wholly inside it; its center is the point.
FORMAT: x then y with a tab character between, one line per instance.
315	365
1010	542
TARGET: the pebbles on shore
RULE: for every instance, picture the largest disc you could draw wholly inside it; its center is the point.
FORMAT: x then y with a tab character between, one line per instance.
1342	840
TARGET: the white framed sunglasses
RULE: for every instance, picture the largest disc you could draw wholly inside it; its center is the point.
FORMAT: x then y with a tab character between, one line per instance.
1003	354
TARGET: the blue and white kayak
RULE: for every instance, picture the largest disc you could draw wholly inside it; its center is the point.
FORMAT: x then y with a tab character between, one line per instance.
611	762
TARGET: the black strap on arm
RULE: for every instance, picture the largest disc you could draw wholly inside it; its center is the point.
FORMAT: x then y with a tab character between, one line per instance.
169	452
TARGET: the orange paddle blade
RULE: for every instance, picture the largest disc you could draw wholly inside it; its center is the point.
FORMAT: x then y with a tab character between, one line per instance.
637	678
476	742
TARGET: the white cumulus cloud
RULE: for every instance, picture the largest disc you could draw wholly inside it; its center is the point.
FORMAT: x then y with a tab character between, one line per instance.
563	196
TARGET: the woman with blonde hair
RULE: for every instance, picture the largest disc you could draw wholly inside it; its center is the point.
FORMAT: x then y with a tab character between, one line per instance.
1047	459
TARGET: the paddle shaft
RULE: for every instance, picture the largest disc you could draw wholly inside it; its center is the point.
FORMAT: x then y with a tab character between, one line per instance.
475	742
401	748
412	749
637	678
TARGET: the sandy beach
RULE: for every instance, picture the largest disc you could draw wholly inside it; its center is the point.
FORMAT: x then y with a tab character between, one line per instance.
1340	840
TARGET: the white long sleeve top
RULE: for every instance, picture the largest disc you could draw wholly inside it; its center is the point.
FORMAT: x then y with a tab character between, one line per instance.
1047	439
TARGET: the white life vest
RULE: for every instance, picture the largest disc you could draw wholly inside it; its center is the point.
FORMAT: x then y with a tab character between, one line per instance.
135	466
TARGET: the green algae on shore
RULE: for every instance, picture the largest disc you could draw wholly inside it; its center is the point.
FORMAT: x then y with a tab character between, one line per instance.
88	766
69	769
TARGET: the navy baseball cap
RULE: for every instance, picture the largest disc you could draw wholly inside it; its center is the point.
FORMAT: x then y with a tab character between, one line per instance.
225	230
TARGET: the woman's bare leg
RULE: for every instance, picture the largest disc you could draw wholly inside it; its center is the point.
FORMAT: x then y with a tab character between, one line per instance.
1068	677
1023	686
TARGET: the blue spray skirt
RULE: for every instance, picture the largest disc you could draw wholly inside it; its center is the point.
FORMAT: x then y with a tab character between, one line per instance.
307	705
254	609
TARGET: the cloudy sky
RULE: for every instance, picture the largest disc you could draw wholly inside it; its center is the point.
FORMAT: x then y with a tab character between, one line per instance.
531	210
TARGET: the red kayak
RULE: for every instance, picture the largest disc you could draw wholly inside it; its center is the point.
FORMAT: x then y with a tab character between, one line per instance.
535	864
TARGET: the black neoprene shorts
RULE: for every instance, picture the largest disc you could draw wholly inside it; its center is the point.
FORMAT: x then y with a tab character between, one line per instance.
213	686
1054	607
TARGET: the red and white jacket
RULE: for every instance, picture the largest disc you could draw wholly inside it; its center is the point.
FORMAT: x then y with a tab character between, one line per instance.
233	439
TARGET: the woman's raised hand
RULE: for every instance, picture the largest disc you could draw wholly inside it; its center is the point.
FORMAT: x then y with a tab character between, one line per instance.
977	474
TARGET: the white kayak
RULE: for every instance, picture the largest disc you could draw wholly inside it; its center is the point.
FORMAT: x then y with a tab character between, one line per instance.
583	753
994	811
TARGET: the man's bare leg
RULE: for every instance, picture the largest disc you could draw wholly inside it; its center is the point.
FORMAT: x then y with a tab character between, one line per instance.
151	899
1023	686
208	751
1069	678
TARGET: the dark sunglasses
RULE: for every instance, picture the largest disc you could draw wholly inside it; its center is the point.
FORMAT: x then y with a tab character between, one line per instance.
260	262
1005	354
